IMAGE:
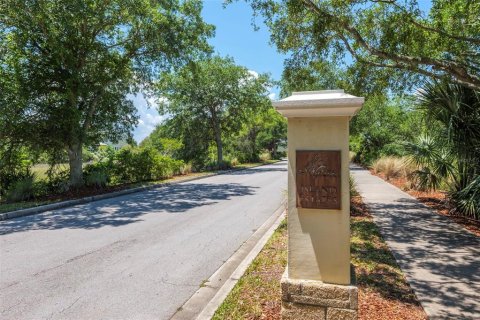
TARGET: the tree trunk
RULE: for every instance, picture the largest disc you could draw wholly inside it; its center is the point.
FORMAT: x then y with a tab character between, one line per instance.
218	141
75	162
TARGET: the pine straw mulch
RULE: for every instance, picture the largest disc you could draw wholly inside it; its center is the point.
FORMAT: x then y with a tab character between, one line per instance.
384	293
436	200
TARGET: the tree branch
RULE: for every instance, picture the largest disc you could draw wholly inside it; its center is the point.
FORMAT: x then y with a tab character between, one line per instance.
459	72
428	28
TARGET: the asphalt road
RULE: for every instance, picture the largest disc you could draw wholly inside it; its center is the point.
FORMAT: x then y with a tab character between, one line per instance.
139	256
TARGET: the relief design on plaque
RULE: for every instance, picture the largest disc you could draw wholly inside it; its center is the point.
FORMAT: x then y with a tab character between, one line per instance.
318	179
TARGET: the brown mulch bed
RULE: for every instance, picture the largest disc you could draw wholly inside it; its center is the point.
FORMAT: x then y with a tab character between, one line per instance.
436	200
383	292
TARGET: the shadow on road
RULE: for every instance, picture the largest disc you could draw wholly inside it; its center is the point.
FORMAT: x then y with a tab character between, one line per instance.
275	167
128	209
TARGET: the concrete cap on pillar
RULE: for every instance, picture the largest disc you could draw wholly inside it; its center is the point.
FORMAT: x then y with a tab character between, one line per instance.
325	103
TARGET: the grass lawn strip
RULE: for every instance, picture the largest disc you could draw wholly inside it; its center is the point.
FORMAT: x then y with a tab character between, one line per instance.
384	293
257	294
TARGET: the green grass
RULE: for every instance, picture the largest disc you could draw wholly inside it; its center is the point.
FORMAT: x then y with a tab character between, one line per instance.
375	265
383	291
258	292
7	207
40	170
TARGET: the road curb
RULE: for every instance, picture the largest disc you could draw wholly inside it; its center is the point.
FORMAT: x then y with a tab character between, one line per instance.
70	203
200	308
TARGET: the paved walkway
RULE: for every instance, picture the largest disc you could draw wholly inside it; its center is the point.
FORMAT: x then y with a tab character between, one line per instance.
439	258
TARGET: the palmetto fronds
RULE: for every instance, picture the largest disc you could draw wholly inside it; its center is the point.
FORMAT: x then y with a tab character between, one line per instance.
450	151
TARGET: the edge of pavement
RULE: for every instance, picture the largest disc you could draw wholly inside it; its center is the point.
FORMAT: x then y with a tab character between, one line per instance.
211	294
73	202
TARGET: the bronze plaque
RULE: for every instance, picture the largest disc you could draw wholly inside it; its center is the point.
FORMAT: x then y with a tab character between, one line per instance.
318	179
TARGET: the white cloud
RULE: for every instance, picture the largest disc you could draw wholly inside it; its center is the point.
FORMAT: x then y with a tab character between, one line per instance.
149	117
272	95
253	73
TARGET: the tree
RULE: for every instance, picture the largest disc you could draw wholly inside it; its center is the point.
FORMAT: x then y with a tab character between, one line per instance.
382	126
212	97
266	130
449	152
66	67
166	146
386	36
273	132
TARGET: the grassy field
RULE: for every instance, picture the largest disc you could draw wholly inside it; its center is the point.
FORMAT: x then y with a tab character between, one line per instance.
384	293
40	170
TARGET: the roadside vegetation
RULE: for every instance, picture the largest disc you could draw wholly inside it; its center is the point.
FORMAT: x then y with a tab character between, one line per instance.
68	71
443	157
257	295
384	294
417	67
106	171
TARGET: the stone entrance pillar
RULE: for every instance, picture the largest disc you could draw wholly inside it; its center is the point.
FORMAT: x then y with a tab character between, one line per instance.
317	283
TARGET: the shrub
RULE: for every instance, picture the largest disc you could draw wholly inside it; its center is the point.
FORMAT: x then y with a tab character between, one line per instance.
186	168
265	156
57	181
15	164
213	165
467	200
351	156
391	167
143	164
96	178
165	167
22	189
353	186
235	162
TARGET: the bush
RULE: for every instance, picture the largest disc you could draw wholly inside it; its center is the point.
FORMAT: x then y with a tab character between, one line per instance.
143	164
96	178
15	164
391	167
213	165
353	186
22	189
186	168
265	156
467	200
235	162
57	181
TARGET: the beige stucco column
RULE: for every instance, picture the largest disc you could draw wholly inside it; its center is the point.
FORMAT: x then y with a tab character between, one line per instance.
318	279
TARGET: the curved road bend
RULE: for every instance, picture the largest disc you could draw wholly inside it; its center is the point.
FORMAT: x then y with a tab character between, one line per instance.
139	256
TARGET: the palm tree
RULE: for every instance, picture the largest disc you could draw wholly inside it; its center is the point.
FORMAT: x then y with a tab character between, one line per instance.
449	152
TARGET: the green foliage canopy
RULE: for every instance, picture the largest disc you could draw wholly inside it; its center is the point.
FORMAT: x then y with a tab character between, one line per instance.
210	100
392	43
382	126
66	67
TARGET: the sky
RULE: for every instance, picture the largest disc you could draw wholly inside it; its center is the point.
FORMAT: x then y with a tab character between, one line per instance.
235	37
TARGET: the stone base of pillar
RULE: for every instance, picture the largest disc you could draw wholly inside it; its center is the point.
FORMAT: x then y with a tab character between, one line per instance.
309	300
